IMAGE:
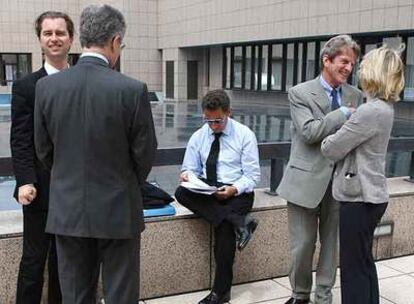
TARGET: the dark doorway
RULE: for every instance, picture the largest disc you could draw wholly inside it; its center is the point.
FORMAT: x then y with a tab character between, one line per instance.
192	79
169	79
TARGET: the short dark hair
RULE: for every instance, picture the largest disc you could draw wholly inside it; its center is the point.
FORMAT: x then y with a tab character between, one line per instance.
54	15
216	99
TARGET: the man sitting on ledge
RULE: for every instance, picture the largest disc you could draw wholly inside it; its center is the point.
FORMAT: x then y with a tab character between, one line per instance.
223	153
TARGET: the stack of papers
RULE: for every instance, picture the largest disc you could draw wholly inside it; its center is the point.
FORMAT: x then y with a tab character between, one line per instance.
196	185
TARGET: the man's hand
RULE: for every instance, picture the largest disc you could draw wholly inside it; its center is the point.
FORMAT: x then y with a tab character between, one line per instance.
352	109
26	194
184	177
225	192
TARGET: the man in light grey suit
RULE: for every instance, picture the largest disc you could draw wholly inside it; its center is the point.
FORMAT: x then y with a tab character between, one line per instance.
318	107
94	130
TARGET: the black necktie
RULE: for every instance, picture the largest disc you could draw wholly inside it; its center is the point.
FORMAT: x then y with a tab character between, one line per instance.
211	163
334	104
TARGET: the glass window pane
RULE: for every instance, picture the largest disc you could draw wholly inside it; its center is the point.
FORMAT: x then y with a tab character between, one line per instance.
23	67
228	66
392	42
256	66
300	60
289	66
238	58
409	71
10	58
277	59
265	55
310	61
248	78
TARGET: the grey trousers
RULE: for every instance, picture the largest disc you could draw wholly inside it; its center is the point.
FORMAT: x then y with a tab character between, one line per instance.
79	261
304	224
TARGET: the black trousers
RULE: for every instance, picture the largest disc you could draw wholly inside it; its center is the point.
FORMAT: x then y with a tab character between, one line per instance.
359	280
80	260
38	246
224	216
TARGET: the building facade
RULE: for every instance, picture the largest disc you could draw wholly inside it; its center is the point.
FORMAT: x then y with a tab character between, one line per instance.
184	48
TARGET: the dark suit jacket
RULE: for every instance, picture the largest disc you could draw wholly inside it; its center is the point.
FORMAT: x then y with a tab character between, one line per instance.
27	168
94	129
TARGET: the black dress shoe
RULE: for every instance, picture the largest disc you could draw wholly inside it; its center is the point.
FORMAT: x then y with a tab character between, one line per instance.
244	234
297	301
214	298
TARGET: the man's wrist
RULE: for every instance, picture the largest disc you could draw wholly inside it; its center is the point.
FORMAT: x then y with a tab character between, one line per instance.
345	111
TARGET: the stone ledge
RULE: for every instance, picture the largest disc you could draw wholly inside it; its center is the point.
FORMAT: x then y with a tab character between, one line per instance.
177	253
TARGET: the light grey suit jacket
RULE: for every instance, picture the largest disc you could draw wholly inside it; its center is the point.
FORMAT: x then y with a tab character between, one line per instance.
94	130
308	172
360	146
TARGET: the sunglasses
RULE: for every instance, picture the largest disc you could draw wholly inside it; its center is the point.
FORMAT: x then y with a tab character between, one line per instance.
216	121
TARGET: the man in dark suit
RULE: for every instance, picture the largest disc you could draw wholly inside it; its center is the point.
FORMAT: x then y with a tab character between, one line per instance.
55	33
94	130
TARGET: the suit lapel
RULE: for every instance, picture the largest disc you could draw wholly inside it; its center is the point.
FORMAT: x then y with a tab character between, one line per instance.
319	96
40	73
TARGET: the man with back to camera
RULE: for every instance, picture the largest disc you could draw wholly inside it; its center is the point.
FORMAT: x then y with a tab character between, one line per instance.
94	130
224	153
318	108
55	33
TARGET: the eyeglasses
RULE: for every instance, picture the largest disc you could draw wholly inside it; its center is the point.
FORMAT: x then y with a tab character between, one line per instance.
216	121
123	45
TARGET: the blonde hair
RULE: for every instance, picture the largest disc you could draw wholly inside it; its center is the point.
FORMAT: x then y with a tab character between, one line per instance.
381	73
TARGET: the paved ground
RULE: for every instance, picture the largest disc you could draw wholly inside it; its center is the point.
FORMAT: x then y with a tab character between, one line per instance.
396	286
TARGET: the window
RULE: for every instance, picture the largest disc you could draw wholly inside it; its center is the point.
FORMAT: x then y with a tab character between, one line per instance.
248	68
300	60
409	71
237	72
289	65
310	61
227	67
13	67
277	62
279	65
265	56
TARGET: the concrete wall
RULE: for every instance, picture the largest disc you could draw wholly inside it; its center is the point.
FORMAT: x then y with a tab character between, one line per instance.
198	22
140	59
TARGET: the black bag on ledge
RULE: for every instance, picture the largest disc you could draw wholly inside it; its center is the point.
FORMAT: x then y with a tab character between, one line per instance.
154	197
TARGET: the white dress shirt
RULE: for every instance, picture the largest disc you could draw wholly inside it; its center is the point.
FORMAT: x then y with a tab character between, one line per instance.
238	161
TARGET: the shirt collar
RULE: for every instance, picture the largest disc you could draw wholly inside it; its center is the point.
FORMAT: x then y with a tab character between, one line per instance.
97	55
50	69
328	89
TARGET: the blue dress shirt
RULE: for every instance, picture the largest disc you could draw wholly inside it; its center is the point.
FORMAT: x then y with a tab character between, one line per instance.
328	90
238	161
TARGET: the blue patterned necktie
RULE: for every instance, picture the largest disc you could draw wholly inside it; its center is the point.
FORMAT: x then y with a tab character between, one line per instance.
334	103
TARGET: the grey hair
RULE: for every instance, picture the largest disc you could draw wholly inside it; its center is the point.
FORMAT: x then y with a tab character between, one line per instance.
334	47
99	24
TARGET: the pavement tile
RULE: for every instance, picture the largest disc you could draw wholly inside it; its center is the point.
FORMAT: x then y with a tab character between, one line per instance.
398	290
258	292
188	298
284	281
402	264
275	301
386	271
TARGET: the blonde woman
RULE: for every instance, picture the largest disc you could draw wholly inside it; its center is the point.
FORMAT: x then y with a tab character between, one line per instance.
359	147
